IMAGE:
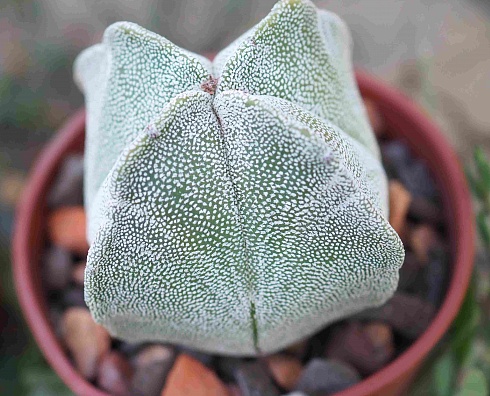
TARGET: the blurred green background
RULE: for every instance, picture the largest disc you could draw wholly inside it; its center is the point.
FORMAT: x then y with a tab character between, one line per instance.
437	52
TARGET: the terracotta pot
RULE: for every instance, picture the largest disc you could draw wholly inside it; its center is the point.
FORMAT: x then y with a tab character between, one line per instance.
404	121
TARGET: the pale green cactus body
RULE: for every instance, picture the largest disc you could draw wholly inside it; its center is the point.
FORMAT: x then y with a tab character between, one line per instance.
127	81
235	218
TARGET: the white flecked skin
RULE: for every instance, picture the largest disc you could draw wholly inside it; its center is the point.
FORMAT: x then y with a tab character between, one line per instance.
237	221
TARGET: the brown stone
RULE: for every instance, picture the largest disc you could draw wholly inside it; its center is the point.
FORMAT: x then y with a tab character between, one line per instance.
381	336
424	210
422	238
66	228
400	200
190	377
367	348
114	374
285	370
86	340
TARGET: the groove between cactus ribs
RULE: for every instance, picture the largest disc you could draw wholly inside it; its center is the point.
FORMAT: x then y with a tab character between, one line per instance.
236	201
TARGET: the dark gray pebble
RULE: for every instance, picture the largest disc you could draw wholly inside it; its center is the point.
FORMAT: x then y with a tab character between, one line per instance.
152	364
417	180
436	273
408	314
226	367
411	275
396	153
253	379
73	297
394	156
412	172
57	268
425	210
325	376
128	348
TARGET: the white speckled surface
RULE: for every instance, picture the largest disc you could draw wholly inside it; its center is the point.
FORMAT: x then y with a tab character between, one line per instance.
239	221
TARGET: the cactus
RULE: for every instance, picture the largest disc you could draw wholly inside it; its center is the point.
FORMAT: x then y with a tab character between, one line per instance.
234	206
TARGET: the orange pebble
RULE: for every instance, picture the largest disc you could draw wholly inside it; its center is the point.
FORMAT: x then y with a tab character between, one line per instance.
285	369
400	200
86	340
66	228
190	377
422	238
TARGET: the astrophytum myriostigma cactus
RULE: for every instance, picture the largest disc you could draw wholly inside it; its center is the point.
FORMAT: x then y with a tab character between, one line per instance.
234	206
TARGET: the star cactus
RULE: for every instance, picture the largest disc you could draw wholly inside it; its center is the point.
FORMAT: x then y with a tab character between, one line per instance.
234	206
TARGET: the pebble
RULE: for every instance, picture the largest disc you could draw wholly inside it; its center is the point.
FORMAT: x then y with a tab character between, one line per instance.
73	297
365	347
436	273
67	189
190	377
86	340
152	365
412	172
253	380
375	118
325	376
226	367
57	267
299	349
128	348
285	370
426	211
417	180
78	273
396	156
411	275
66	228
422	239
56	316
381	338
408	314
114	374
399	203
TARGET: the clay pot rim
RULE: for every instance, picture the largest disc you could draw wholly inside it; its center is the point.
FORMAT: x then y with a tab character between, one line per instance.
444	166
